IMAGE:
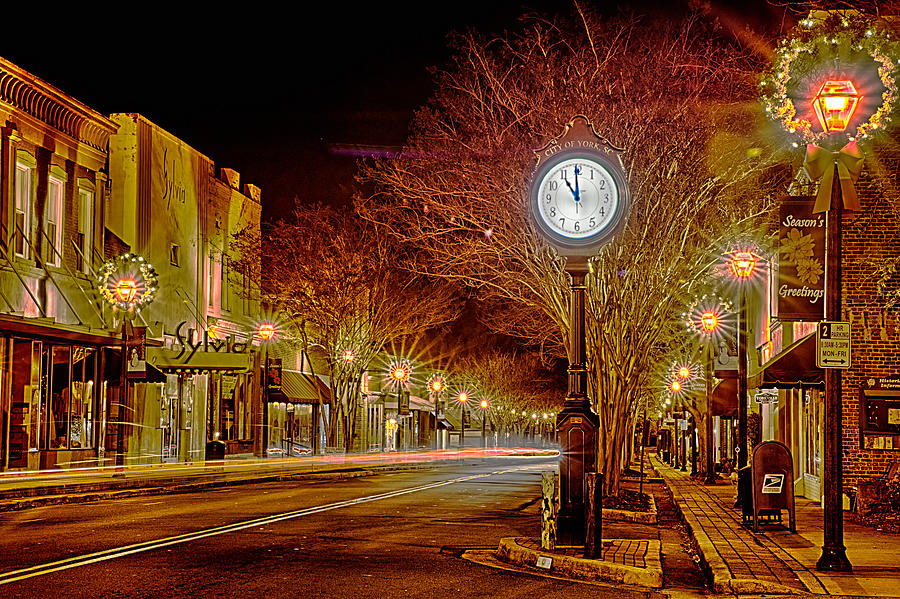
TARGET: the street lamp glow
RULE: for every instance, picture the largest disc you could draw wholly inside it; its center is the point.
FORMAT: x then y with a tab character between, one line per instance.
743	264
709	320
125	290
835	104
266	331
400	373
348	356
675	386
484	404
684	372
463	397
436	384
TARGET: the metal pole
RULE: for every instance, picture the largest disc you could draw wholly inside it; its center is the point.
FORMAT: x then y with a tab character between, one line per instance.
462	428
483	437
437	401
710	459
742	383
834	556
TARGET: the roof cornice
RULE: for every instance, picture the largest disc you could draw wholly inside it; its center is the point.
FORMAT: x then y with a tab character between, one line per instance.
34	96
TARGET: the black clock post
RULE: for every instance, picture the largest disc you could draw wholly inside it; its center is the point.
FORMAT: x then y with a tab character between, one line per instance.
577	423
578	201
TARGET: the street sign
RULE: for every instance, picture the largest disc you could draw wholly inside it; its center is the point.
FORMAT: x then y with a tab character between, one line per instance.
833	345
766	396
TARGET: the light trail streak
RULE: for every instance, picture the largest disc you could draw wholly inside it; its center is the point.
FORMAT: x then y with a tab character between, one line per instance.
124	551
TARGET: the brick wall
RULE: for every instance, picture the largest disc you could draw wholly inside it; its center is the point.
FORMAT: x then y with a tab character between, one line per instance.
870	237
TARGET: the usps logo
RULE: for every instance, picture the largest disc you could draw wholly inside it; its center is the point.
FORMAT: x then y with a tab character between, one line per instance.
772	483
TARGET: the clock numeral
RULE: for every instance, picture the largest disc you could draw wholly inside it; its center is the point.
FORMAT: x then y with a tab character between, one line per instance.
593	223
577	226
602	211
592	174
606	198
554	185
562	223
553	211
549	197
602	184
562	174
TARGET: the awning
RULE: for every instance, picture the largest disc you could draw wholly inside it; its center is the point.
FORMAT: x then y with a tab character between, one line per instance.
415	403
792	368
444	424
724	399
198	361
301	387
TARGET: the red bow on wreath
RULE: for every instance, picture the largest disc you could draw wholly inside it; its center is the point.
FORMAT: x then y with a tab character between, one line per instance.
821	164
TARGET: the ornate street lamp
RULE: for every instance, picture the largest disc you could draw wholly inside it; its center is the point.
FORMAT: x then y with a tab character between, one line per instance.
743	265
436	387
266	331
485	406
462	398
834	105
705	317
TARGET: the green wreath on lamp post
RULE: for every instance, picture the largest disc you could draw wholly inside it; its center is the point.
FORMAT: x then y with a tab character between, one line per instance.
128	283
823	46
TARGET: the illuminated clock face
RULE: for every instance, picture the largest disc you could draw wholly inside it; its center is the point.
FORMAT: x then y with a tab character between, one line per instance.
578	199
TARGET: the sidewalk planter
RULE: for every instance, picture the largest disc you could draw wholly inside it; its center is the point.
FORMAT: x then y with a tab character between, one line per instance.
526	552
649	517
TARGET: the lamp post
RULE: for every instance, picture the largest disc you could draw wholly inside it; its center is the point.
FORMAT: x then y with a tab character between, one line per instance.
705	318
266	332
743	265
485	405
436	387
463	399
399	374
834	105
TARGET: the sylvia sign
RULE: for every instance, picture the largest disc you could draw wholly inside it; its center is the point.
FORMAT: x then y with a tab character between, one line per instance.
228	345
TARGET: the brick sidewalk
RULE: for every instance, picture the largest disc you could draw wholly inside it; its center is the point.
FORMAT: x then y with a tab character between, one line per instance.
775	560
616	551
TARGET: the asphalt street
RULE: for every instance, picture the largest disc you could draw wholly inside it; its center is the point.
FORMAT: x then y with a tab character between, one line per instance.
389	535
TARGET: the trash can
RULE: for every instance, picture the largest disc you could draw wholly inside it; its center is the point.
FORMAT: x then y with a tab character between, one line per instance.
745	493
215	450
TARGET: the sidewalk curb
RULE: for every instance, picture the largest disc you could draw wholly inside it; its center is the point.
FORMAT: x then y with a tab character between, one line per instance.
587	569
717	573
650	517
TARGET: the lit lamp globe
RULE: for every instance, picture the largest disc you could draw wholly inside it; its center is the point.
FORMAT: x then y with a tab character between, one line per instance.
266	331
743	264
709	321
835	104
463	397
485	404
684	372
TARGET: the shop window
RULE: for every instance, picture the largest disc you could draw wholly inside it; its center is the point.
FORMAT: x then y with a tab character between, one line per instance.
52	240
24	207
69	382
814	420
84	238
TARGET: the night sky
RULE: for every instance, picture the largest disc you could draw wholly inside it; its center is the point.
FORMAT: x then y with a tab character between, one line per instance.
257	90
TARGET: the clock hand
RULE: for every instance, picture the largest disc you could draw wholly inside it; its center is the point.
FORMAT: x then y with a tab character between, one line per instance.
577	193
573	190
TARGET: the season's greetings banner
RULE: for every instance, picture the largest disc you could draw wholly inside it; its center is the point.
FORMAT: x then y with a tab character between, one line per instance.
801	265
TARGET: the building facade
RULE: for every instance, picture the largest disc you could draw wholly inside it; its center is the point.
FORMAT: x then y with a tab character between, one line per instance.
78	189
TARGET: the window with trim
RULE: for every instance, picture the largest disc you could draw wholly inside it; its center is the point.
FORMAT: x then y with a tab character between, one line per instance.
223	284
24	207
52	239
84	238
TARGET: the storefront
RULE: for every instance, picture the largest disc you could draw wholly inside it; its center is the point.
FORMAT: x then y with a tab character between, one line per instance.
54	396
293	414
207	396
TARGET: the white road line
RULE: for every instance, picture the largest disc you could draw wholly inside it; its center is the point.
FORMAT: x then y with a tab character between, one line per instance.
117	552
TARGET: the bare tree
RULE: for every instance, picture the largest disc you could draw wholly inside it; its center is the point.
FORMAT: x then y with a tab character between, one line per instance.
675	94
350	290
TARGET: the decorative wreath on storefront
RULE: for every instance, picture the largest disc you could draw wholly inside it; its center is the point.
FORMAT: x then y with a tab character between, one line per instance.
128	282
824	47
